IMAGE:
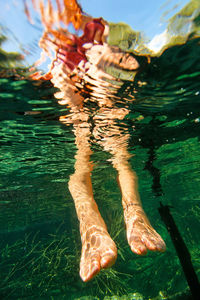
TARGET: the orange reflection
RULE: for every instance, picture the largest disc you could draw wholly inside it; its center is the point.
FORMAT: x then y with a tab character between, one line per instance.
86	69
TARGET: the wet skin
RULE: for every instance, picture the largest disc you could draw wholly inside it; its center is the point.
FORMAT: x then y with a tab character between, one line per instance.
98	249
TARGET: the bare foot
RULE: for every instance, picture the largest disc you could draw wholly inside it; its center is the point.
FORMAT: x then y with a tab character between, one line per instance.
98	251
140	234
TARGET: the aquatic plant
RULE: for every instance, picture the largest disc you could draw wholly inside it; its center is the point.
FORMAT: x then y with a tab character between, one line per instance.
38	265
111	282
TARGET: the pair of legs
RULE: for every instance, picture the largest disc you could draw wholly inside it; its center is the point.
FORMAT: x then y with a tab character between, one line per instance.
98	249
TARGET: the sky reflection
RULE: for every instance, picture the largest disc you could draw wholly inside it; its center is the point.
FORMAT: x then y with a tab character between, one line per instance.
150	17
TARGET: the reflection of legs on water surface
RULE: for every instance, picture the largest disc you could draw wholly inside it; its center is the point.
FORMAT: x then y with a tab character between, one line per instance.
140	234
98	249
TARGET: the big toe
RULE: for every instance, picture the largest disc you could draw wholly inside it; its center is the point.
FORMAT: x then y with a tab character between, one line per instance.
88	269
137	246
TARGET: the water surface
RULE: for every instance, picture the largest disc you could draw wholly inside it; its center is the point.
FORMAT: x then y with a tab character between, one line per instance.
40	243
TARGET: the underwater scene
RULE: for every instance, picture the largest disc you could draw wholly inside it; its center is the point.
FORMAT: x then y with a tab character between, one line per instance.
99	150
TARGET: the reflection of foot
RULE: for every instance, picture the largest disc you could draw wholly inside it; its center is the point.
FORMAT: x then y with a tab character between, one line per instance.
98	251
140	234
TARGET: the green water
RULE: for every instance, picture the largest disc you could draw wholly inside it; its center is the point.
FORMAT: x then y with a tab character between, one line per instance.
39	231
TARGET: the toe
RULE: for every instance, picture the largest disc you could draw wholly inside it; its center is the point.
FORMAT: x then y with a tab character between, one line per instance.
108	259
88	273
137	246
89	269
154	242
139	249
150	244
161	246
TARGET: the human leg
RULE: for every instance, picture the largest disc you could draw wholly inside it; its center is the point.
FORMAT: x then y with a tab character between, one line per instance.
140	234
98	249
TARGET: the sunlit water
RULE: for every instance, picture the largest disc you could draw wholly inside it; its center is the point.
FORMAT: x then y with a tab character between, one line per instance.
39	230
